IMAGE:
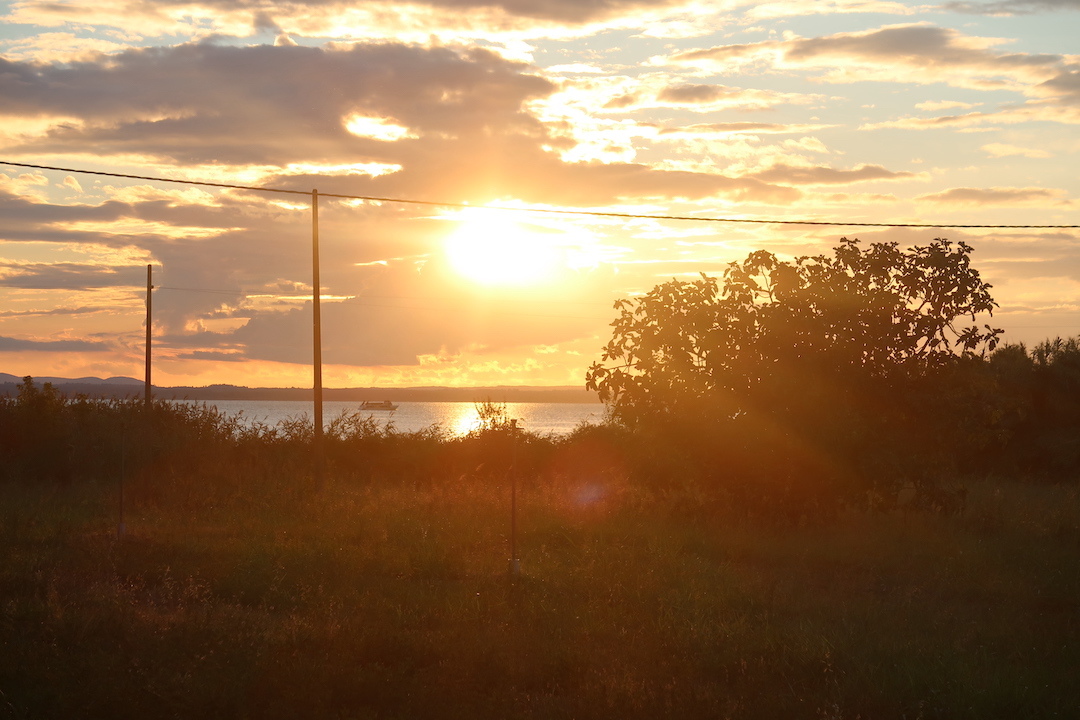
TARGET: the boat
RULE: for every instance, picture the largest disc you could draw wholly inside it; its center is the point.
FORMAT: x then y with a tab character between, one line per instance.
378	405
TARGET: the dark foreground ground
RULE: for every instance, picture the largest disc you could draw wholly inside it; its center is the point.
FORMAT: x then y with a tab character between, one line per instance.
395	603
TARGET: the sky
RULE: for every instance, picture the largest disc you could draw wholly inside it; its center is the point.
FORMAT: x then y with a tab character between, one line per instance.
849	111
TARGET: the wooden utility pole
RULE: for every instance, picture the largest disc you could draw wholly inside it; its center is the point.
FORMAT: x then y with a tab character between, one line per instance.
515	563
316	292
149	320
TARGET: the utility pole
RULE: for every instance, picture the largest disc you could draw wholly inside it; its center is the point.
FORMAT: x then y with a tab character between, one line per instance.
149	319
316	313
515	562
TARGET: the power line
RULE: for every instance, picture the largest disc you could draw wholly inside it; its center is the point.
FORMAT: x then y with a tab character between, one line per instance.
550	211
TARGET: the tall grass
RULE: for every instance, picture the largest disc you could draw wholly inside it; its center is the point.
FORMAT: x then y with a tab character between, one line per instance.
391	600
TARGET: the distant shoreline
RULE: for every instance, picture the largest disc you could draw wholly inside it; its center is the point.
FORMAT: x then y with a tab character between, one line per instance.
426	394
126	387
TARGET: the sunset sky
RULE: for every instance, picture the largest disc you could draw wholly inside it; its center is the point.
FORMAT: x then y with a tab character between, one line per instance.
833	110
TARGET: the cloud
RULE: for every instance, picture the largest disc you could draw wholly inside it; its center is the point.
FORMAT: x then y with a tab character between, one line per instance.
701	97
9	344
999	196
739	128
934	105
797	8
59	47
212	355
695	94
977	121
917	53
1005	150
1012	7
82	310
1065	86
470	136
371	19
622	102
69	276
821	175
203	103
945	121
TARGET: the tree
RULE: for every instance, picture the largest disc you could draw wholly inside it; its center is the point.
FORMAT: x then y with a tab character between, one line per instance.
1039	394
836	349
879	312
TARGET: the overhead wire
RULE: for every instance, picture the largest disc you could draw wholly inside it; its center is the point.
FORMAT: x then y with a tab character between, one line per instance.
556	211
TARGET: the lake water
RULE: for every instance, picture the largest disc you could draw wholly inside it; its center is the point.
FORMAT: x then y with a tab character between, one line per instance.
457	418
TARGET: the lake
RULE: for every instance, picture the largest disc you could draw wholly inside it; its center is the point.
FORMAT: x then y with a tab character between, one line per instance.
458	418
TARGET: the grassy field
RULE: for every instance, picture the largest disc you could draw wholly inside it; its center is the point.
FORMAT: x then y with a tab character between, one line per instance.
361	602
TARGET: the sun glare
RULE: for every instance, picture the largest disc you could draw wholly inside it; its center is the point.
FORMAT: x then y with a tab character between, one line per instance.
492	249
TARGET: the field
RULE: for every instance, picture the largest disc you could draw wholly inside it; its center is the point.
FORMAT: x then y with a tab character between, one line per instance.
364	600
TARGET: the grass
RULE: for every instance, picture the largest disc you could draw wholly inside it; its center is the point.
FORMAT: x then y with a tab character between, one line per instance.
394	602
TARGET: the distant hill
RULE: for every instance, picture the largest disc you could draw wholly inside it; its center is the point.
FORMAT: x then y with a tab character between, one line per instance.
125	386
89	386
117	381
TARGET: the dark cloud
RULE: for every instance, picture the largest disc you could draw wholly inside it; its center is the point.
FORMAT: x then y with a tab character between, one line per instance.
69	276
1012	7
829	176
910	42
1066	86
211	355
571	12
1027	269
26	219
739	128
8	344
918	45
621	102
695	94
935	51
639	181
202	103
1005	263
723	53
995	196
83	310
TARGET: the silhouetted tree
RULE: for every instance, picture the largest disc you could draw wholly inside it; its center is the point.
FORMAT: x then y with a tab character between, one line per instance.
832	366
1038	393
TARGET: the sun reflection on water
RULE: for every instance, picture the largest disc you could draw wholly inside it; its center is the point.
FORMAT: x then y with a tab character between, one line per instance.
463	420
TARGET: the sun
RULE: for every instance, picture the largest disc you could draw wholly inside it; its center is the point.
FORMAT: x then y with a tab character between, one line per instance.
491	248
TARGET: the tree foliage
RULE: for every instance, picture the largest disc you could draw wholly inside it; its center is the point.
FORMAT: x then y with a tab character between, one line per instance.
772	325
1038	393
837	365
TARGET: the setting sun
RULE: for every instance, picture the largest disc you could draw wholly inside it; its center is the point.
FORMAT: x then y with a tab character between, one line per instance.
492	249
